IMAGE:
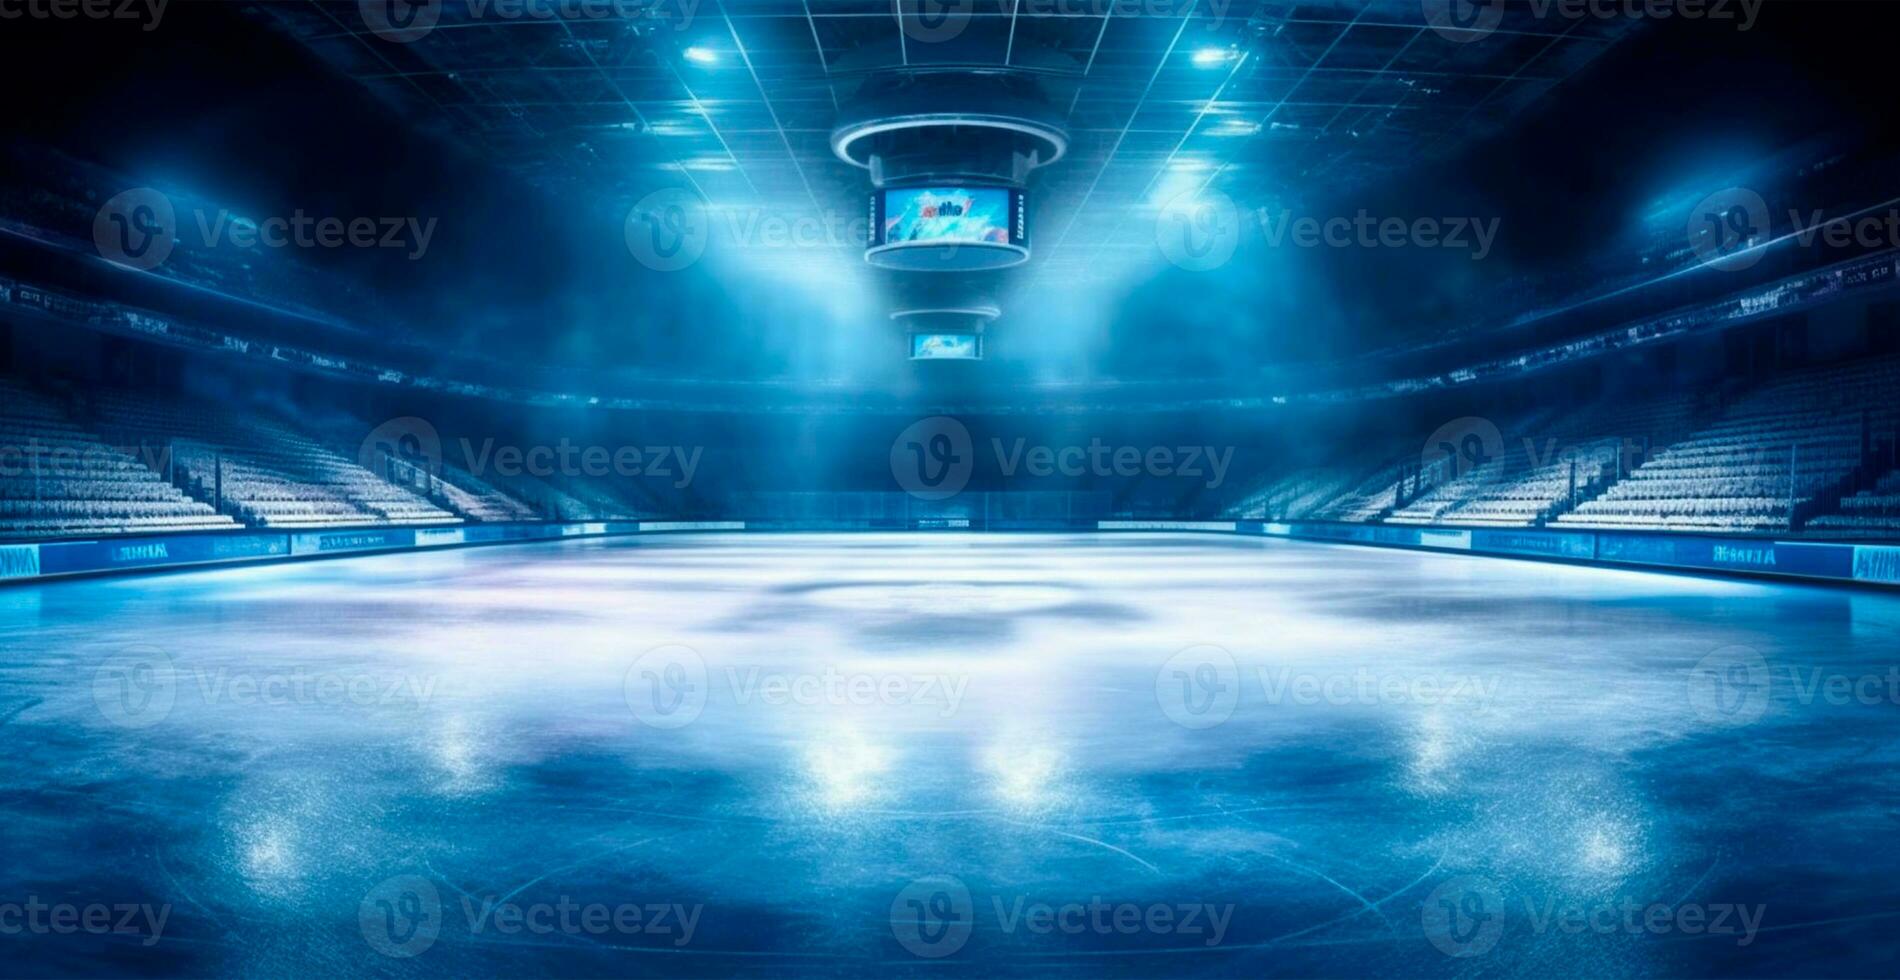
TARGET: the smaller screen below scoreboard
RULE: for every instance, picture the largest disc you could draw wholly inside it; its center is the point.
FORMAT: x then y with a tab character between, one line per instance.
946	347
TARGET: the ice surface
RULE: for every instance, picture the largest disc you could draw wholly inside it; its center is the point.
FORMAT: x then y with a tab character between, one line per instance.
905	755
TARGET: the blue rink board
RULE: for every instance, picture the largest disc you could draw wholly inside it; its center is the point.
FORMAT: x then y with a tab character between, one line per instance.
146	553
1875	564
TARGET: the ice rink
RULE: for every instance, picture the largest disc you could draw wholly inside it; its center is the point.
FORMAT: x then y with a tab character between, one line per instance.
948	755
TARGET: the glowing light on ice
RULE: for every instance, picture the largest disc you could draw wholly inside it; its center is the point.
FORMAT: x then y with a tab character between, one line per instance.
1025	772
845	766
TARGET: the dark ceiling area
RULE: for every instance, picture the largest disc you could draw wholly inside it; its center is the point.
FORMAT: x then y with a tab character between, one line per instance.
531	127
1260	100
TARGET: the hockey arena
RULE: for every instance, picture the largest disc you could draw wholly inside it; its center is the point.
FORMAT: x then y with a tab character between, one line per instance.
1076	488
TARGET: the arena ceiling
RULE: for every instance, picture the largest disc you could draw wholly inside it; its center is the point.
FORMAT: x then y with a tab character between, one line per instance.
1271	103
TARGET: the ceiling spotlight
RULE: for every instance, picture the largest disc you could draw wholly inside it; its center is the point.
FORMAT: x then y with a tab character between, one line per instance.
1214	57
702	56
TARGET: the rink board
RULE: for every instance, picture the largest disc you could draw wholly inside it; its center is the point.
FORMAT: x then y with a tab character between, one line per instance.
155	552
1829	561
1833	561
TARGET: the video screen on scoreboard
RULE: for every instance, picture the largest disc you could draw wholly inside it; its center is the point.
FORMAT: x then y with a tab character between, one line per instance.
946	347
949	216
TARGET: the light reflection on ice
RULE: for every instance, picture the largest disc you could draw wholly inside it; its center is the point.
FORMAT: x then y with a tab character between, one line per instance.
846	768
